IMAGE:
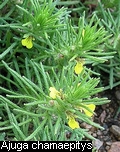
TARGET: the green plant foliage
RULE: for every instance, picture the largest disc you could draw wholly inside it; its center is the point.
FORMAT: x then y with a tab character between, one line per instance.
31	102
51	57
111	21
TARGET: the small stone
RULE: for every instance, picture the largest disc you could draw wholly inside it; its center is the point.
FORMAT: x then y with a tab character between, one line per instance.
108	111
104	106
108	117
108	143
105	132
111	110
116	131
99	133
102	116
97	143
85	125
105	126
117	94
115	147
93	129
94	135
106	138
107	148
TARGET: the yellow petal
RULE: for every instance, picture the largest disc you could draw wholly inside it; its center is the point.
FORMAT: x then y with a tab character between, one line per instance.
73	123
27	42
91	107
23	42
53	93
78	68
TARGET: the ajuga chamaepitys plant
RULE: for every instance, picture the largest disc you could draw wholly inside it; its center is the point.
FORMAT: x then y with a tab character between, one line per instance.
47	88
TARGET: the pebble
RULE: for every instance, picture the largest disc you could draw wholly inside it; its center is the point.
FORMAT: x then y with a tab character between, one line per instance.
97	143
107	148
99	133
116	131
115	147
85	125
93	129
106	138
108	111
105	106
117	94
105	126
108	143
94	135
105	132
111	110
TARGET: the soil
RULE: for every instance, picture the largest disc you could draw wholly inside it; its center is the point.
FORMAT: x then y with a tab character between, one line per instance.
108	118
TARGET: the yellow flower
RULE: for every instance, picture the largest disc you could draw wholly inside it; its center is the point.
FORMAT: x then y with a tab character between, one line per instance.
91	107
78	67
27	42
54	93
72	122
